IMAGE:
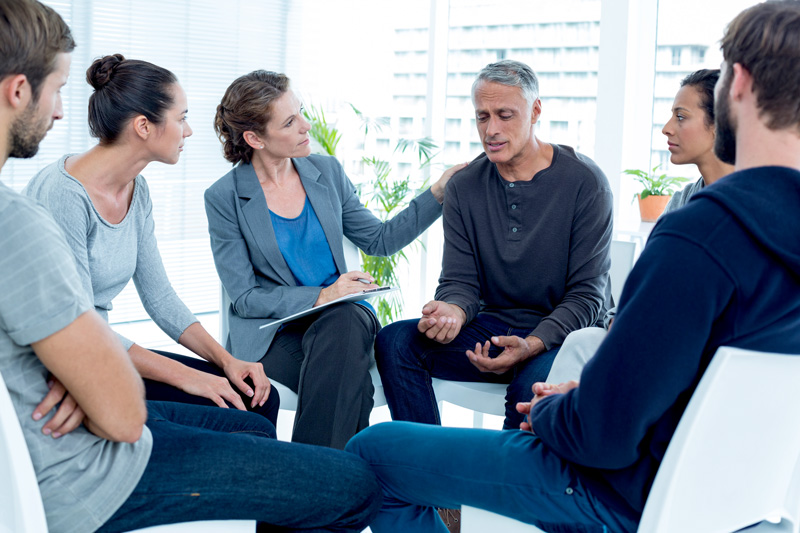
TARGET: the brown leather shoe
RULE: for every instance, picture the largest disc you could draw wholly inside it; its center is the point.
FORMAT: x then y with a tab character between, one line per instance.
451	519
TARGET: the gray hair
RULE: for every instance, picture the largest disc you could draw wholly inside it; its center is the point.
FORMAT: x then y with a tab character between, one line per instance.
511	73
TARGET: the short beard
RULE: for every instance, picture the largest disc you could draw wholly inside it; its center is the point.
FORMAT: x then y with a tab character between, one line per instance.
725	135
26	134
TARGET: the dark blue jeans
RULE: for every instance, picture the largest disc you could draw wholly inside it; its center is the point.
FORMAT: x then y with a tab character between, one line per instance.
218	464
161	392
407	360
421	467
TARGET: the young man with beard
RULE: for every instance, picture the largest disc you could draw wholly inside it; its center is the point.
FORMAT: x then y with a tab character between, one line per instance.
588	454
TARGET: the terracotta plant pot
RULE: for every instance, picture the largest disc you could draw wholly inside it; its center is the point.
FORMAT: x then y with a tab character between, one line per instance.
651	207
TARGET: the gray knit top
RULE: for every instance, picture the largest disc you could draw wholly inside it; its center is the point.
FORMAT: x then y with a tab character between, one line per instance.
109	255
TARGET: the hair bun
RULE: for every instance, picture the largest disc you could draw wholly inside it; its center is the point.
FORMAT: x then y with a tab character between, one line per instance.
102	70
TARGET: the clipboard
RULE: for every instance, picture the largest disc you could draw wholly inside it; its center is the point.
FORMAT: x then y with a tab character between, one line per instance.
355	297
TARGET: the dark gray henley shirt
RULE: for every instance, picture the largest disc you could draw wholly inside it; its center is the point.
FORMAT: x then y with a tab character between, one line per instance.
535	254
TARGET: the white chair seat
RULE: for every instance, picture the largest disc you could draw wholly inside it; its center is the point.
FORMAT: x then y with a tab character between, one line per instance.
479	521
488	398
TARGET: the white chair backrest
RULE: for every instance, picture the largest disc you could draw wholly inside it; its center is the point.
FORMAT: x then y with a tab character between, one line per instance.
21	507
622	257
733	460
352	256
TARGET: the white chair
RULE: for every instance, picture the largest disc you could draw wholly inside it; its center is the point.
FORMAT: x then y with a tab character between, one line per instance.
489	398
21	509
352	258
623	254
734	459
481	398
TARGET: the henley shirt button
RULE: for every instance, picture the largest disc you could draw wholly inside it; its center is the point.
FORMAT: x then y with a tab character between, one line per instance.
513	206
514	230
511	185
568	491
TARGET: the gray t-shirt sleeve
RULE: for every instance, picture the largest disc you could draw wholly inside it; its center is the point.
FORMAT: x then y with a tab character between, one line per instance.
41	290
82	478
150	278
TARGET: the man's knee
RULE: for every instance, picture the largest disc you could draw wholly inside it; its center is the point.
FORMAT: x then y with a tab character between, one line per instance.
396	341
373	441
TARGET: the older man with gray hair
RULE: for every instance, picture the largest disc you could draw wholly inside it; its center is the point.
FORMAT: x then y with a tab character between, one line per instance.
527	228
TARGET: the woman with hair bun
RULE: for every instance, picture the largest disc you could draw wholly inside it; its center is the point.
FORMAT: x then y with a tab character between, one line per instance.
138	113
276	223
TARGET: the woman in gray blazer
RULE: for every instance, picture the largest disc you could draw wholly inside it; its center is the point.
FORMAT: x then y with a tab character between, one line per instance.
276	223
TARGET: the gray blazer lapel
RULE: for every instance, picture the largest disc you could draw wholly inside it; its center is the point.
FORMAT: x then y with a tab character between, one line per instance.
329	217
257	218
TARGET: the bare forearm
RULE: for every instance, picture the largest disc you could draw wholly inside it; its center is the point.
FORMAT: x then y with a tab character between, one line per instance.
535	345
151	365
197	339
88	359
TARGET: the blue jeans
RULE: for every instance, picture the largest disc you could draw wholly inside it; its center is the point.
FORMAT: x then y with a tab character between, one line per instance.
161	392
421	467
407	360
209	463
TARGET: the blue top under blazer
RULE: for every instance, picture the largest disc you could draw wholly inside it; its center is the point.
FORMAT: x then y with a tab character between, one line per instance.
249	263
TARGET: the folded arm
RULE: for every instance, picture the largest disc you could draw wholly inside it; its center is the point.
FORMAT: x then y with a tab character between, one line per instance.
88	359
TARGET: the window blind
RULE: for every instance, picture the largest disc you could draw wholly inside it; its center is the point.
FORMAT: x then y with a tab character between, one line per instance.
207	44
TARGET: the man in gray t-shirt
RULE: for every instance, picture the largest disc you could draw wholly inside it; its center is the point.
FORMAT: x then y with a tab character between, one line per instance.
83	478
90	452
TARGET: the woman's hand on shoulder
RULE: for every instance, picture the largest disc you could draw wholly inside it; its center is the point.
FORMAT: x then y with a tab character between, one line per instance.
348	283
438	188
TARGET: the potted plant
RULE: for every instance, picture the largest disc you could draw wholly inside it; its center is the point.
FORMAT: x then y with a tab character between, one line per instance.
658	189
387	194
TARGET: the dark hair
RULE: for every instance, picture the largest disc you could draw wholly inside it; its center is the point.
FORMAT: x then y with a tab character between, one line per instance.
123	89
246	106
31	35
704	81
765	40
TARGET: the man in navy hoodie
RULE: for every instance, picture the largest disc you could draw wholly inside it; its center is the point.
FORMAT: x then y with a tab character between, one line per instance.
591	452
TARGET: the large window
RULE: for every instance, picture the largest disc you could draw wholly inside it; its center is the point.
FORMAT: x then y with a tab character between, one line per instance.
207	44
688	40
411	64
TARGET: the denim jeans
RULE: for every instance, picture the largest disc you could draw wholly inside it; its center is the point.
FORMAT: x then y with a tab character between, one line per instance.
407	360
209	463
421	467
162	392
